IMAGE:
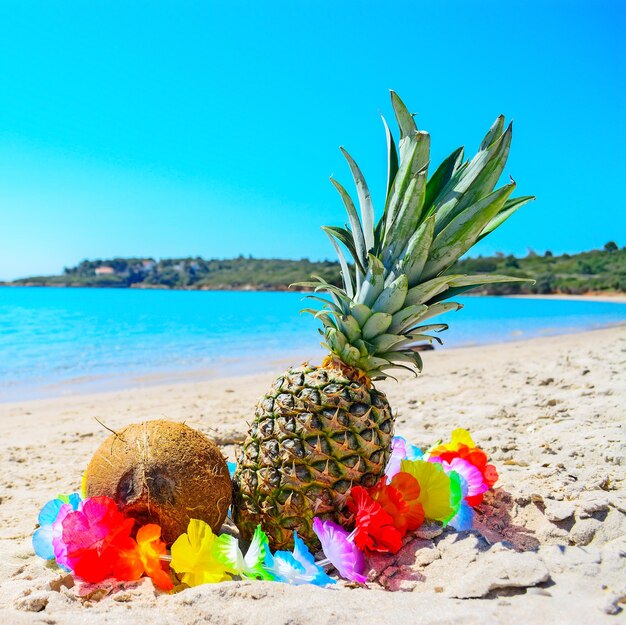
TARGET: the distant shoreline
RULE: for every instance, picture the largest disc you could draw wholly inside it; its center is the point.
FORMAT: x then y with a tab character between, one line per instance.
160	287
616	297
594	271
611	297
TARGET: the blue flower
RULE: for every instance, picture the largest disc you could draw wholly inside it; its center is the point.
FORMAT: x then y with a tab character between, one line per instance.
297	567
463	520
44	534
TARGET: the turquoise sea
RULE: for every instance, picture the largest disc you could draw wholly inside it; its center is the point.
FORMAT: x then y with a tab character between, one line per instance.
60	341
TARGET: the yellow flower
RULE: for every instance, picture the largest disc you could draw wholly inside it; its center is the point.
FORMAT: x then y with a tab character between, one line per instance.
435	488
460	438
194	556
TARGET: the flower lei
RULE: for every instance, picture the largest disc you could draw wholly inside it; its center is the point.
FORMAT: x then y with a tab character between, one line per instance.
94	541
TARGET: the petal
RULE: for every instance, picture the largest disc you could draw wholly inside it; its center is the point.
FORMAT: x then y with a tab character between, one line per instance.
149	533
194	556
456	494
461	436
49	513
414	453
127	562
434	488
407	485
491	475
42	542
464	519
93	567
285	568
255	556
343	554
151	548
414	517
302	554
227	551
474	501
60	548
474	478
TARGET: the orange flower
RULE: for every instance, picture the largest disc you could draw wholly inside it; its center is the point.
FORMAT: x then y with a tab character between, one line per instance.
151	548
410	490
400	501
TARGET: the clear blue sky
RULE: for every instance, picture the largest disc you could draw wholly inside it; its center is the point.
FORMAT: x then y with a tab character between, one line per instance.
203	128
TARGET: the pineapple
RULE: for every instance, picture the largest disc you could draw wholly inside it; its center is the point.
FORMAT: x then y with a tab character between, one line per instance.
320	430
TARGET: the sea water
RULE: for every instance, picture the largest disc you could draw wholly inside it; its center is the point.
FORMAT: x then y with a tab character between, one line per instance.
64	340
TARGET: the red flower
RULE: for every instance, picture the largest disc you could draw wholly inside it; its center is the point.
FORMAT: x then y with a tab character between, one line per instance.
374	528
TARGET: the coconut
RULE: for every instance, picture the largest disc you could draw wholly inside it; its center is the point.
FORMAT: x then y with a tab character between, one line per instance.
162	472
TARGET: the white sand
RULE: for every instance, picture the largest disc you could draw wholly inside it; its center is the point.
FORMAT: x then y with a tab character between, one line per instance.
551	547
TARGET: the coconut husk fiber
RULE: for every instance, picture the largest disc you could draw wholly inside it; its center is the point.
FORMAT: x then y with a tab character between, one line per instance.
162	472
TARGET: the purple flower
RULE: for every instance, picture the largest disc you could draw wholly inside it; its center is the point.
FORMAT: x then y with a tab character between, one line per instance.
400	450
343	554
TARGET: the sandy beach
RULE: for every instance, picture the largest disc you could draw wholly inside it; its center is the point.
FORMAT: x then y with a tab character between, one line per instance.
549	546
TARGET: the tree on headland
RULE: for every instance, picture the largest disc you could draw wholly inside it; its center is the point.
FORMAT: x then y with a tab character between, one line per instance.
611	246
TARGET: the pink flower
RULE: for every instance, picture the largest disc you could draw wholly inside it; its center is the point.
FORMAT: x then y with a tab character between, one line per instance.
476	484
97	542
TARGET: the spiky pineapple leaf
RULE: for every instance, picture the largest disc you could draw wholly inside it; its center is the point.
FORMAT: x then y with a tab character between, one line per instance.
344	236
405	120
438	309
365	201
392	157
376	325
433	327
384	342
355	224
421	293
494	132
442	176
331	305
487	179
403	318
407	219
373	283
350	327
361	313
460	284
463	231
472	182
345	271
417	251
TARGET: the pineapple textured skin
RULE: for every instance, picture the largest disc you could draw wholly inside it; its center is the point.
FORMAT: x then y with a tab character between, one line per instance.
316	433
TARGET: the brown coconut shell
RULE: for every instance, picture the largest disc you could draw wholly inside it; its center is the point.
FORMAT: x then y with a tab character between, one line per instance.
162	472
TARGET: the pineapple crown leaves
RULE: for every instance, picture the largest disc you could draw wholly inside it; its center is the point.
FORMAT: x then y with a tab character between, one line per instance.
394	277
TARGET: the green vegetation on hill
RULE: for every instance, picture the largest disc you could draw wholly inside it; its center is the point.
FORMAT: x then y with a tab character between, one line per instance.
585	272
597	270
